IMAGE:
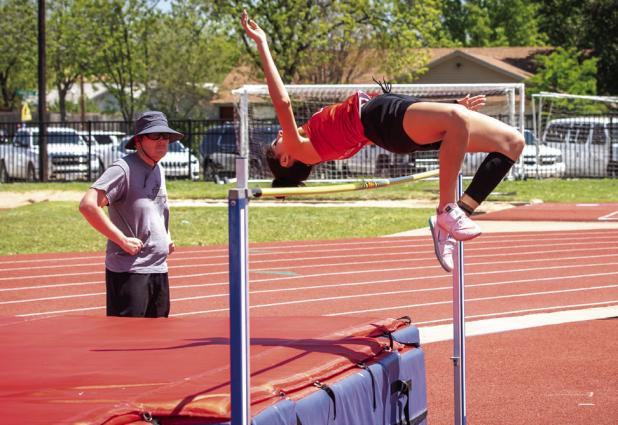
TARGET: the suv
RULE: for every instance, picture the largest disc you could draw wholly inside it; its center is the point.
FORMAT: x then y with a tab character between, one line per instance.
219	150
537	160
589	145
178	163
102	144
374	160
68	157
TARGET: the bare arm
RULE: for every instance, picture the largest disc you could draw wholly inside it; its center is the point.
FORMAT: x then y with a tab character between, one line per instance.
91	207
299	147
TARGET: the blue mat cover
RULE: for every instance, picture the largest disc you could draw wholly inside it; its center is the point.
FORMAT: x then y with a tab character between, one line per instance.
391	391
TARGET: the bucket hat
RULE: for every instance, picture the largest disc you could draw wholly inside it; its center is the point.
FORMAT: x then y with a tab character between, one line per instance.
152	122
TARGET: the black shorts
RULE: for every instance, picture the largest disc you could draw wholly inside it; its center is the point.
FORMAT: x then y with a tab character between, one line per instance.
382	119
137	295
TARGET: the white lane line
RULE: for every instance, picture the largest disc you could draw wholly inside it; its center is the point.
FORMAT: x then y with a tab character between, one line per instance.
345	297
496	297
351	284
503	245
315	266
57	312
419	241
510	253
407	306
224	251
518	312
60	297
483	327
609	217
268	280
598	247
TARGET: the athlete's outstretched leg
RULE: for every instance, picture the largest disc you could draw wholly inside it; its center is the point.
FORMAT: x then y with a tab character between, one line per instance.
427	122
504	144
462	131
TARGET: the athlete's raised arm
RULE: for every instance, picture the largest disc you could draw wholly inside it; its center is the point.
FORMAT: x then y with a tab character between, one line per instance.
278	94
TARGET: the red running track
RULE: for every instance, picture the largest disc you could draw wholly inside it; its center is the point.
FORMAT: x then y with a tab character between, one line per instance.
607	212
551	374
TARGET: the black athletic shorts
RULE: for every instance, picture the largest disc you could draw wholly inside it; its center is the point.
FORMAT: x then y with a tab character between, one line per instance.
137	295
382	119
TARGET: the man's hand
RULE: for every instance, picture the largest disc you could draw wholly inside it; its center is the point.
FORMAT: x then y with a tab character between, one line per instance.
171	247
132	246
473	103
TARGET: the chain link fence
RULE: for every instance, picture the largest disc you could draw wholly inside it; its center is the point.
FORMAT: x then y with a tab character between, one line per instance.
568	147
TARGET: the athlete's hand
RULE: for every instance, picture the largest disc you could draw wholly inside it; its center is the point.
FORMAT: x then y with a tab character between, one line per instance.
132	246
252	29
171	247
473	103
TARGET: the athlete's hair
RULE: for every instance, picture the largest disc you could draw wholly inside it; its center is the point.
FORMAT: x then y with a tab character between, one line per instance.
286	176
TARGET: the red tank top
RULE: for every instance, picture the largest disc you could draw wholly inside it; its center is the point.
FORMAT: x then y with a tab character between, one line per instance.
336	131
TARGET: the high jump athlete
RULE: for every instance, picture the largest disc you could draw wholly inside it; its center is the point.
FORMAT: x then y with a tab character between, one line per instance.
399	124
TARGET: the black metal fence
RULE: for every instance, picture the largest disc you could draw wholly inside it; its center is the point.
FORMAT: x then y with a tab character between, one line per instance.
83	150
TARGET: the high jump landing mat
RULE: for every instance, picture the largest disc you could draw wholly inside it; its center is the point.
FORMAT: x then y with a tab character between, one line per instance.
304	370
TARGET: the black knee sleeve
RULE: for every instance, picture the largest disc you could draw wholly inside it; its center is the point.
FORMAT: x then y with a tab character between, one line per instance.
493	169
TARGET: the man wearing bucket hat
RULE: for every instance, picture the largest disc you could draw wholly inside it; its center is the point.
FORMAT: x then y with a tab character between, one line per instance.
137	228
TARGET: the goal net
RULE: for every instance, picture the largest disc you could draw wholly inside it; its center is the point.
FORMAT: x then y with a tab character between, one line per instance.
257	126
583	130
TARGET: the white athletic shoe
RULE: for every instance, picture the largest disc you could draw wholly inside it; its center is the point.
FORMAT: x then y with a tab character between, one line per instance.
455	222
443	244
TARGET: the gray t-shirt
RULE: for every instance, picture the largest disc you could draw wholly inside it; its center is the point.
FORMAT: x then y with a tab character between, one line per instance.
138	207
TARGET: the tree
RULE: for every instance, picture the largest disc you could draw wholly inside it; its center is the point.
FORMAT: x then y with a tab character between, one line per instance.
586	25
601	23
563	71
483	23
118	30
68	48
188	51
335	42
18	50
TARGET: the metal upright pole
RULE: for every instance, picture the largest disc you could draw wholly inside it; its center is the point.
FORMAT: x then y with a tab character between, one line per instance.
459	332
239	307
242	167
238	211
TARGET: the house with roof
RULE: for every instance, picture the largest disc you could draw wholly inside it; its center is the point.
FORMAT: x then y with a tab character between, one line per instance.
478	65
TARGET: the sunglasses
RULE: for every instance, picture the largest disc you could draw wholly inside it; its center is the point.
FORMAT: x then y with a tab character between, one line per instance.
158	136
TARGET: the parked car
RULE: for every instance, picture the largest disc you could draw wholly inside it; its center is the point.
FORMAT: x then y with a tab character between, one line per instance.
68	157
589	145
537	160
374	161
219	150
4	138
178	163
102	143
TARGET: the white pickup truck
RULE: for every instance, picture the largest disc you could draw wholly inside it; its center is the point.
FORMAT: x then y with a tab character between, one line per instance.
67	152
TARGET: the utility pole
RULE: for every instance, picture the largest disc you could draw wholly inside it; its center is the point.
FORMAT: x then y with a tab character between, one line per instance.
42	96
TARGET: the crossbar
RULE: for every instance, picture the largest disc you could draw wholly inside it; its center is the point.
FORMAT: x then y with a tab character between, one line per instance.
337	188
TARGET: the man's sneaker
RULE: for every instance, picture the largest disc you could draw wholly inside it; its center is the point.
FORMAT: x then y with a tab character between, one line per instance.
443	244
455	222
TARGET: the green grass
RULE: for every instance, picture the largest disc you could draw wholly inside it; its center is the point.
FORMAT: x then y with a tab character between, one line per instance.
548	190
59	227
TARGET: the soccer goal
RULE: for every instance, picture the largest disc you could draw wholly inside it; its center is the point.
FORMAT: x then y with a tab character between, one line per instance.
582	130
257	125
